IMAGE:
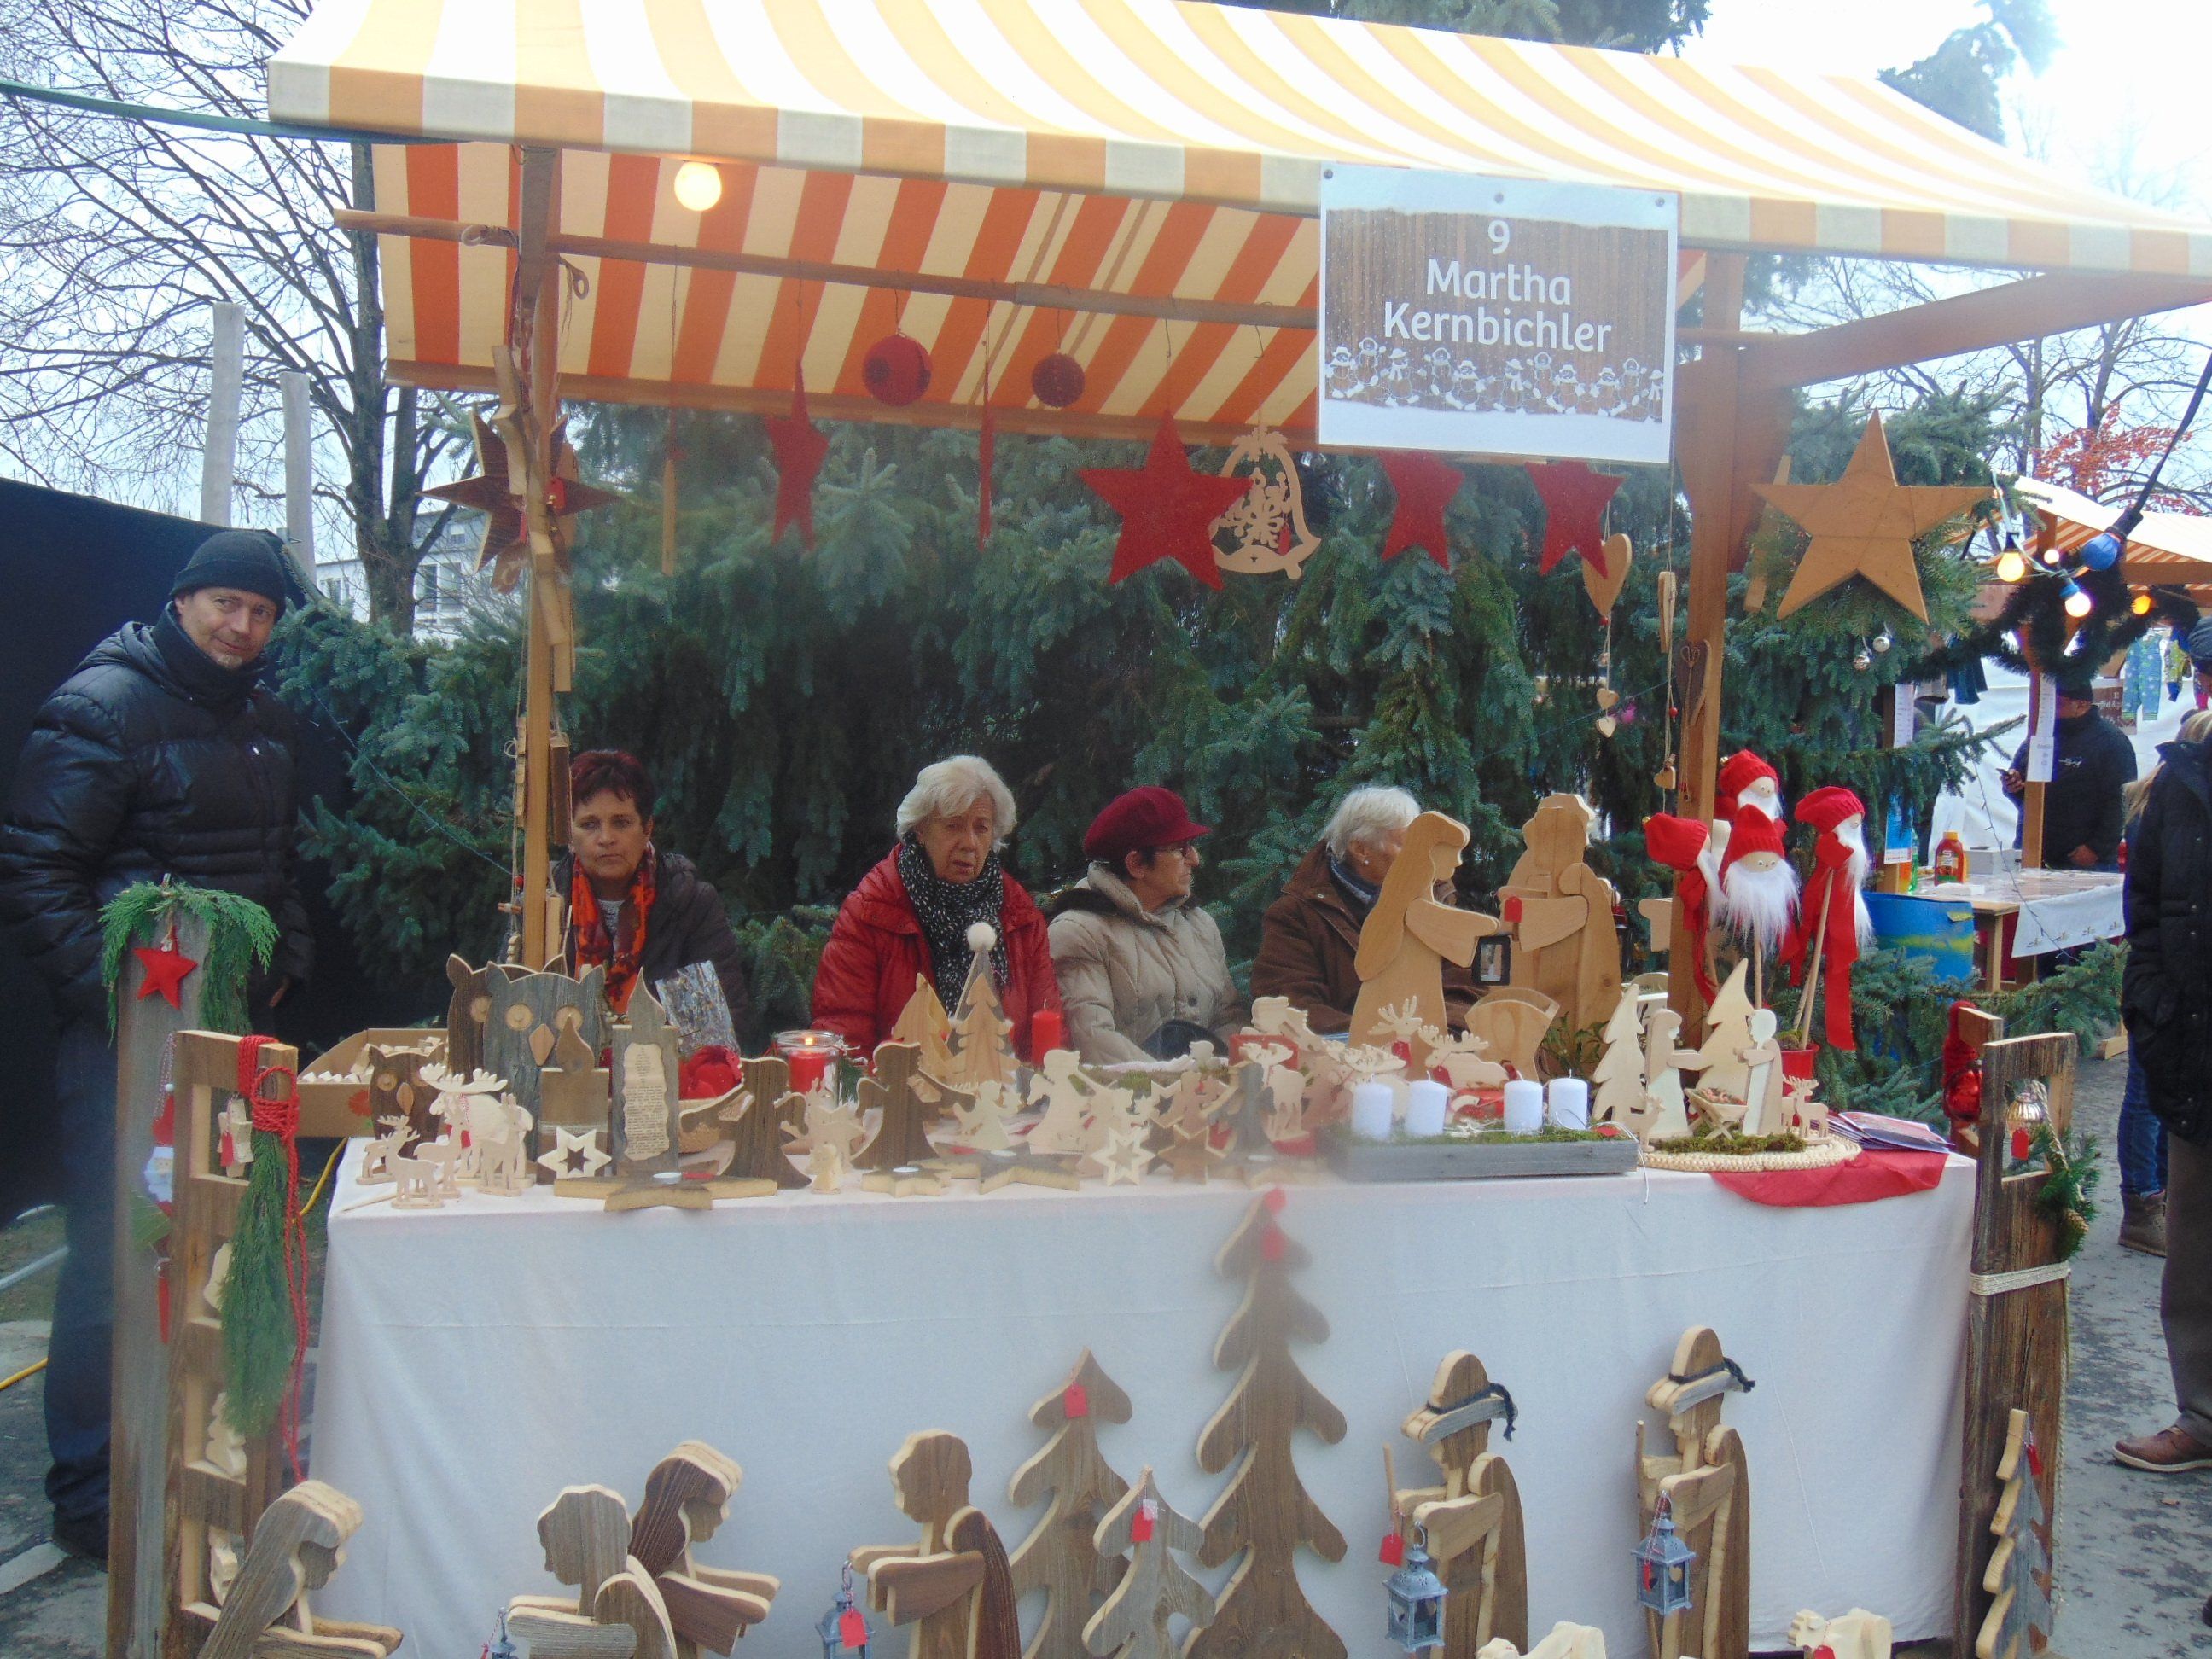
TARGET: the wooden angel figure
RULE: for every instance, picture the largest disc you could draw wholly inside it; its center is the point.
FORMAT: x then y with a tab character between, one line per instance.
1766	1108
298	1544
1134	1622
759	1119
687	1498
1666	1114
1409	934
1561	912
953	1585
1707	1484
586	1534
901	1138
1470	1525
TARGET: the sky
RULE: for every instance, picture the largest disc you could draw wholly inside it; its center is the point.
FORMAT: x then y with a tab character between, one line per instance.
2120	65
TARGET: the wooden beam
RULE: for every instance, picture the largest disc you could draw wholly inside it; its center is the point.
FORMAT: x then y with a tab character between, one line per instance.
536	320
1042	296
1991	317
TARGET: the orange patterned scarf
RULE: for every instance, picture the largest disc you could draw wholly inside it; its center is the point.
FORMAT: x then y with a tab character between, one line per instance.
621	955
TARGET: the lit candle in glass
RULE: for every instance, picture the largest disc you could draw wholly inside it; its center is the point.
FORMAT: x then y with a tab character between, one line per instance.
810	1056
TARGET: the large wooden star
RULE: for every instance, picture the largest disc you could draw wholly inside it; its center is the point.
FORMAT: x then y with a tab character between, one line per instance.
1425	487
1863	525
505	550
1167	510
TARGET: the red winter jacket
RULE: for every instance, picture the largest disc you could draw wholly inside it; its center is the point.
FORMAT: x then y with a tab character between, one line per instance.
867	968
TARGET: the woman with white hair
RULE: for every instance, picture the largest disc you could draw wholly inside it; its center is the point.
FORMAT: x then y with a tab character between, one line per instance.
910	914
1309	937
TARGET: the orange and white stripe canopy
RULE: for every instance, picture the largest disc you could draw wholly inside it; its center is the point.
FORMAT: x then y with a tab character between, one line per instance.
1167	149
2173	548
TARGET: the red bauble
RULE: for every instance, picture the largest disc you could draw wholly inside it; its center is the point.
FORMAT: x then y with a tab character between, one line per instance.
896	370
1057	380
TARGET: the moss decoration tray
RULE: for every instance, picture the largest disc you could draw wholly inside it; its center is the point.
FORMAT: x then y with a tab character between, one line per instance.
1485	1157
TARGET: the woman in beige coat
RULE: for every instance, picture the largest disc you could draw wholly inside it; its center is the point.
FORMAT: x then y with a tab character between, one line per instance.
1141	968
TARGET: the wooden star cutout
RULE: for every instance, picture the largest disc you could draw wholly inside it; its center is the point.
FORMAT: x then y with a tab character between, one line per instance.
574	1153
801	448
1125	1158
167	968
1574	495
505	548
904	1182
1167	510
1425	487
1863	525
1192	1156
1023	1168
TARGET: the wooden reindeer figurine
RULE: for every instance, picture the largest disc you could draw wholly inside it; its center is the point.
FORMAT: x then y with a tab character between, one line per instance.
618	1611
1060	1557
1409	934
1133	1623
953	1585
1472	1523
1707	1484
687	1497
298	1544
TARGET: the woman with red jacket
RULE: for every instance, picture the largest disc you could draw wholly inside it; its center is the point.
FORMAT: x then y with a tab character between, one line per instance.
910	914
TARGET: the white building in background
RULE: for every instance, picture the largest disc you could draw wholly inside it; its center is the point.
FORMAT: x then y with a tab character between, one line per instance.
446	585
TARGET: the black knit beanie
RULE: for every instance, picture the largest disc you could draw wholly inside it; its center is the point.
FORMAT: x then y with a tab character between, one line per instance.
251	561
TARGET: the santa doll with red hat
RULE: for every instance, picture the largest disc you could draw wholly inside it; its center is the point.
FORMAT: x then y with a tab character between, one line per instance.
1759	890
1832	925
1684	846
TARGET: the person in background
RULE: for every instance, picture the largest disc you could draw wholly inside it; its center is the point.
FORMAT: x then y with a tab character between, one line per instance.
1140	965
1309	937
160	756
910	914
2082	809
2165	999
643	914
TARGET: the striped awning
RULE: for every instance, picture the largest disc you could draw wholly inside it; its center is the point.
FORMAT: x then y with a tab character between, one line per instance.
2172	548
1014	151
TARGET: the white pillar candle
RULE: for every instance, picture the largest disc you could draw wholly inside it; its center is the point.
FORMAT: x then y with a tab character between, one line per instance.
1570	1100
1524	1107
1426	1104
1371	1111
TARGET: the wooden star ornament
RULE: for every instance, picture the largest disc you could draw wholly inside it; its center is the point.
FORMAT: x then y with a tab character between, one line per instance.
1167	510
505	550
1574	495
1425	487
1864	524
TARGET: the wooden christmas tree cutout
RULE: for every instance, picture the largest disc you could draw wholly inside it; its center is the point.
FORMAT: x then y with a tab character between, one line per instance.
1617	1094
1470	1524
1707	1484
2018	1623
1133	1623
759	1119
953	1585
923	1023
1061	1556
902	1139
980	1050
1264	1515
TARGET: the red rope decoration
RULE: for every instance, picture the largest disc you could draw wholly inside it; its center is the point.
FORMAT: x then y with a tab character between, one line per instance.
278	1115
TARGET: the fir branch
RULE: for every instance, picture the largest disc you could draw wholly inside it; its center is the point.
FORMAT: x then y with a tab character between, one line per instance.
242	936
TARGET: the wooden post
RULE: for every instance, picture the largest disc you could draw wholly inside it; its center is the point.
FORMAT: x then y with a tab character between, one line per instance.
299	476
138	1398
226	375
536	321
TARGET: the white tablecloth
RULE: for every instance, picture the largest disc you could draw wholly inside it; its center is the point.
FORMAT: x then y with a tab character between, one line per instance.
476	1359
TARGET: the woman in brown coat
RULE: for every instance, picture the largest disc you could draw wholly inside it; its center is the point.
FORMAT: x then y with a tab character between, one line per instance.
1309	937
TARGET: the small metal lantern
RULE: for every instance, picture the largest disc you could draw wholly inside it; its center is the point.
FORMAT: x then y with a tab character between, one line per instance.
1417	1601
502	1647
1663	1566
833	1630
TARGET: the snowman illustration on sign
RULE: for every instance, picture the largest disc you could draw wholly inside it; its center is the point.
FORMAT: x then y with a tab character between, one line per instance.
1344	379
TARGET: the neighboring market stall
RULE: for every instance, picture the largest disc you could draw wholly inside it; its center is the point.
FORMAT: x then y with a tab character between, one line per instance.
1100	219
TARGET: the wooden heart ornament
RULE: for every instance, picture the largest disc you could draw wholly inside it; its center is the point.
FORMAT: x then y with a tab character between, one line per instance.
1606	696
1606	726
1604	586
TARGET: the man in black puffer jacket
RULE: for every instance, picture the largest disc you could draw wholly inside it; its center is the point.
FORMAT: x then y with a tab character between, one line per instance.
159	756
2166	999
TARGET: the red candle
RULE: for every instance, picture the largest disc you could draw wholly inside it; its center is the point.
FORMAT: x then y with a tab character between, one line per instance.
1048	1031
807	1068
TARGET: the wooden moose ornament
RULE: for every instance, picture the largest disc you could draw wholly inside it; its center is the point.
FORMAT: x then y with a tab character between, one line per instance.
1409	935
1707	1484
1265	1516
298	1544
1472	1523
1565	944
1060	1557
1133	1623
953	1585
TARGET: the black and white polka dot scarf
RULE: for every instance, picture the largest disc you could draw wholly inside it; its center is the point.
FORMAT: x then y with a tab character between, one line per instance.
946	912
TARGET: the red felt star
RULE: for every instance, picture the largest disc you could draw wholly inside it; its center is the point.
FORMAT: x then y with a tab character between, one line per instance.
165	967
800	447
1574	511
1167	510
1425	487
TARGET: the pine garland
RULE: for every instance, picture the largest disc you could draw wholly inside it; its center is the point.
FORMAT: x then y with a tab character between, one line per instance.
2072	1161
2033	628
242	936
259	1335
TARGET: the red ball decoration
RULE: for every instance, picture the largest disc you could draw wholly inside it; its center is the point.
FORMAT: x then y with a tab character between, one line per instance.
896	370
1057	380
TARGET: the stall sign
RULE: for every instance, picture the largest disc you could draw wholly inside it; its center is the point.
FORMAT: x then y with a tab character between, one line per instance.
1473	315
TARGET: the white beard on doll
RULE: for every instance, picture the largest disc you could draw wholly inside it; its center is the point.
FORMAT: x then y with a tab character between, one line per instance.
1852	833
1760	891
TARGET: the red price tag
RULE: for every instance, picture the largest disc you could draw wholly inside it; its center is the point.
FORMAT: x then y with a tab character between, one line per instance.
2034	1461
1146	1517
1272	1244
852	1629
1394	1550
1076	1401
1274	1198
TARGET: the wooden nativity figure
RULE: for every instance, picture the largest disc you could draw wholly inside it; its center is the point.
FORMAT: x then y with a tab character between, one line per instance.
1560	910
617	1612
298	1545
1409	934
952	1584
1707	1486
687	1498
1470	1525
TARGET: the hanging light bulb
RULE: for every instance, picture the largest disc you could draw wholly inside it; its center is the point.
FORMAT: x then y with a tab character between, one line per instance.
2141	604
698	185
2078	602
2054	556
1863	660
2010	566
2101	552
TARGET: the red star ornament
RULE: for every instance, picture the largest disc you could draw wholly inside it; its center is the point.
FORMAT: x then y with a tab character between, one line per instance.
1574	495
1425	487
801	448
1167	510
166	969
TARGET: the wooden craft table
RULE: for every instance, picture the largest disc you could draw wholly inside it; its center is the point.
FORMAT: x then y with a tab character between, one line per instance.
477	1359
2049	911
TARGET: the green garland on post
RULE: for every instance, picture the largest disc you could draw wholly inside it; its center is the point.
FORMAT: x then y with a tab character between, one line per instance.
260	1336
2072	1161
242	936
